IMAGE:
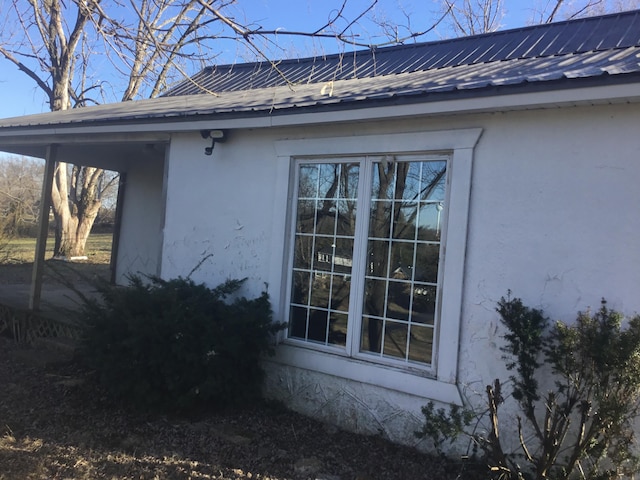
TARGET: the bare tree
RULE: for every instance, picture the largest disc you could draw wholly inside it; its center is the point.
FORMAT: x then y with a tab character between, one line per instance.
53	46
473	17
55	42
46	51
553	10
20	185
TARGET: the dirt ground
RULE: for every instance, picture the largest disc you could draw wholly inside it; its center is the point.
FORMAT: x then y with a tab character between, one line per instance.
55	423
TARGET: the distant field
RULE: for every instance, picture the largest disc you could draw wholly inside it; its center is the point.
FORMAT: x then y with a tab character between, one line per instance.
22	250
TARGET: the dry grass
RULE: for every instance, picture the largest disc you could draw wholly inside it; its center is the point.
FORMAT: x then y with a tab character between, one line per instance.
22	250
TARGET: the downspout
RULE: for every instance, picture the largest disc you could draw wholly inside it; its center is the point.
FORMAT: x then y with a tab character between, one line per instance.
43	227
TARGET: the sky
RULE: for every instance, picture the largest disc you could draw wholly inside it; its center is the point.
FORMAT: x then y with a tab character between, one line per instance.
20	96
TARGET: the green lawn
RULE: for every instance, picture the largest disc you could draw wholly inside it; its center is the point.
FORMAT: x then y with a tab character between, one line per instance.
21	250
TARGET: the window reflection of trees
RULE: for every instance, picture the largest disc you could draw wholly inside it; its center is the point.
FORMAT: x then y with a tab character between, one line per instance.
403	256
325	227
403	250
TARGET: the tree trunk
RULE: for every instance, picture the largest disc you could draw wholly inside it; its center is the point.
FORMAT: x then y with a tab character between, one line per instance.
65	235
75	208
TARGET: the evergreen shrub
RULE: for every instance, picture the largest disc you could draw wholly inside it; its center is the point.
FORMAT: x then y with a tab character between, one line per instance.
174	345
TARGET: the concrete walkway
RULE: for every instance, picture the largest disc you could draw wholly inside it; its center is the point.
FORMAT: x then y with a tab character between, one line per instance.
57	299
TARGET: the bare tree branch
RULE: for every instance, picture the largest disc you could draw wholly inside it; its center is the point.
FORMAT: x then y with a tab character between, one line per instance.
563	10
554	12
474	17
59	38
22	67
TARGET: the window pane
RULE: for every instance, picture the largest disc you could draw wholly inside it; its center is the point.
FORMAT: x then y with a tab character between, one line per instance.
399	298
350	173
429	221
374	297
409	181
378	256
320	290
300	288
306	216
303	252
340	291
395	339
371	338
323	258
343	255
421	344
427	258
380	219
401	265
423	309
308	181
338	329
400	179
383	179
329	180
298	322
433	180
326	218
404	220
346	222
318	325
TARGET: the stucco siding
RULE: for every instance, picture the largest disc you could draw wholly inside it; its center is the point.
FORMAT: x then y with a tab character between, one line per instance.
553	217
219	209
140	241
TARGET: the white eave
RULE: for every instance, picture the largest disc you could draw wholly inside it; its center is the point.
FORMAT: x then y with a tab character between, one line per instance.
157	130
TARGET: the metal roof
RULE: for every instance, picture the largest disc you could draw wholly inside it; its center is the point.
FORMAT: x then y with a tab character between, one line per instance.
587	52
588	35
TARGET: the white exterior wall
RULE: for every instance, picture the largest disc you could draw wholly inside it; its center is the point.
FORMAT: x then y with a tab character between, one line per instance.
140	240
553	217
219	208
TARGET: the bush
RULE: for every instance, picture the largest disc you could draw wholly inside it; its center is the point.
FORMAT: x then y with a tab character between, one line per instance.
174	345
583	426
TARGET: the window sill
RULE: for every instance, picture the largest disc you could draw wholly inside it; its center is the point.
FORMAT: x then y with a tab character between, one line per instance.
385	376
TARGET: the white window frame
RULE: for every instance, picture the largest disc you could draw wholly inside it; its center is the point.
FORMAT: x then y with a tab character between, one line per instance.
439	382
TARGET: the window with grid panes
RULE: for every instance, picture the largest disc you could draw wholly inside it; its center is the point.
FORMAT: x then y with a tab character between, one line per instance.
366	255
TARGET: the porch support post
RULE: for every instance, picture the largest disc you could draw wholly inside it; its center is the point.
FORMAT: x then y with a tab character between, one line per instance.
115	242
43	227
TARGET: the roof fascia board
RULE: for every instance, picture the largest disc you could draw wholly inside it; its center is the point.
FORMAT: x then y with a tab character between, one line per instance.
143	130
71	136
158	131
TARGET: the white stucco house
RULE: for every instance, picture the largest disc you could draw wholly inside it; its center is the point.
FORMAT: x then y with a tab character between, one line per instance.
388	198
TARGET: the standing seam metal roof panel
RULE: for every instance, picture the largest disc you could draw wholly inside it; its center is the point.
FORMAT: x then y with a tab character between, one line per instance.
617	32
565	39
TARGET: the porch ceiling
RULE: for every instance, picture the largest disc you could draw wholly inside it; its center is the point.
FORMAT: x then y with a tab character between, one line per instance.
111	152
